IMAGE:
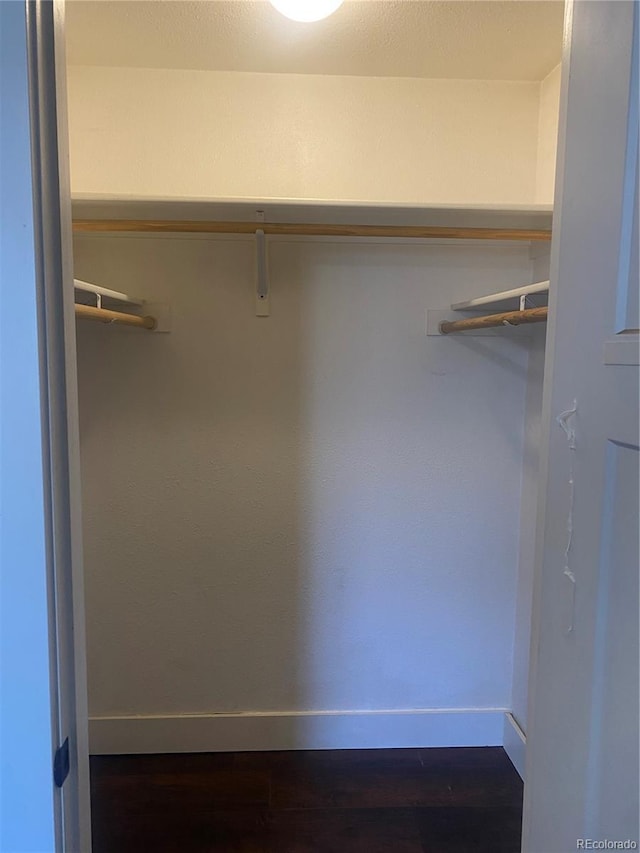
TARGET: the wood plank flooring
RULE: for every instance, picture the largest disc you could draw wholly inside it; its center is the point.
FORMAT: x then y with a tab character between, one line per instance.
463	800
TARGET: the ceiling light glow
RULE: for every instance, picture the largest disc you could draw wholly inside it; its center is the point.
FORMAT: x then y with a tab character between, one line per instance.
306	10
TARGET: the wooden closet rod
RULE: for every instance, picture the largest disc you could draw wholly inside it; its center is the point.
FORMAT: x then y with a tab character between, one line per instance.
506	318
103	315
308	230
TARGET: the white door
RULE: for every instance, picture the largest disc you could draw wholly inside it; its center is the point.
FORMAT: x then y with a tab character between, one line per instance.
44	795
582	744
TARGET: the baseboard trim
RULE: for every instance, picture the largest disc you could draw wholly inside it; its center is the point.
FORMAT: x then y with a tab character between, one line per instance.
296	730
515	743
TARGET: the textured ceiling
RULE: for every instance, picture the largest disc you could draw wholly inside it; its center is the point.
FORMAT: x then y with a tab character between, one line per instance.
481	39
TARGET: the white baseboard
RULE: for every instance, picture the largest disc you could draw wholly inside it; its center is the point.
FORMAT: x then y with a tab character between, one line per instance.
515	743
296	730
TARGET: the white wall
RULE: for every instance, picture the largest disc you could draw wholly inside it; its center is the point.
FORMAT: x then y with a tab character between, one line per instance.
528	505
295	439
316	510
548	136
157	132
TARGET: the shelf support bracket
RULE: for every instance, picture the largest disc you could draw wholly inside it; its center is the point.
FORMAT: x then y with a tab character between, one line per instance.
263	307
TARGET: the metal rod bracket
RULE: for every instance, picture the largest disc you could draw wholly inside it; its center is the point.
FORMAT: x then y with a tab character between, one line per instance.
263	307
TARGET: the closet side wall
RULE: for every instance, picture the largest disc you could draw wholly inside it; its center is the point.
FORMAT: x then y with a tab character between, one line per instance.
177	133
307	522
528	507
548	136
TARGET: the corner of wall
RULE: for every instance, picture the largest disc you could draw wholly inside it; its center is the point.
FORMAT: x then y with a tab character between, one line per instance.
514	743
548	119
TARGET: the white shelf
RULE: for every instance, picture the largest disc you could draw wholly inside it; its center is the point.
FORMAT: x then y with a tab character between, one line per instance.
314	211
97	290
505	300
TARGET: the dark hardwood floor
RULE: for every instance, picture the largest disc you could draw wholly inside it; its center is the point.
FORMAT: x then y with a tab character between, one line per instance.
347	801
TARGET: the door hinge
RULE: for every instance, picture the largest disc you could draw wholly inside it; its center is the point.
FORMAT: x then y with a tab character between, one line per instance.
61	764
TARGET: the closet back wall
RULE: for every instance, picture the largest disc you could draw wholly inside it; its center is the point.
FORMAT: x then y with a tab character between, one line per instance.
176	133
312	512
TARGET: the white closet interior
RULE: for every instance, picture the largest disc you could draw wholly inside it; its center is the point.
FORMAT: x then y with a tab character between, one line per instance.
312	528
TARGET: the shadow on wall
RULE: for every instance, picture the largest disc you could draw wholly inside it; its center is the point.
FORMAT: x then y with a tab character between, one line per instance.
315	511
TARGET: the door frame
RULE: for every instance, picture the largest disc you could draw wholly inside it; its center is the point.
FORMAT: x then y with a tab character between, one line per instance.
592	75
53	251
